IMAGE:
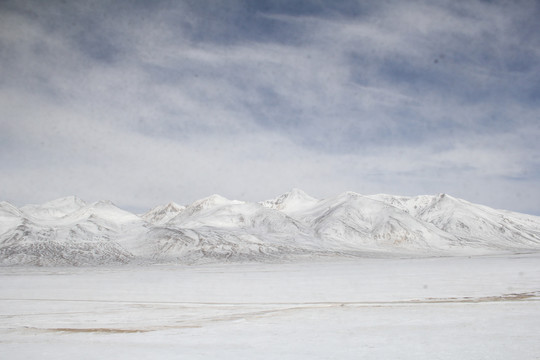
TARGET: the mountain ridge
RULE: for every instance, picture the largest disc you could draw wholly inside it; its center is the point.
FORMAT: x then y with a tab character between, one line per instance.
69	231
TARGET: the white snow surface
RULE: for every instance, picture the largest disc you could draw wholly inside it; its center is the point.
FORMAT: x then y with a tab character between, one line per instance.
161	214
483	307
69	231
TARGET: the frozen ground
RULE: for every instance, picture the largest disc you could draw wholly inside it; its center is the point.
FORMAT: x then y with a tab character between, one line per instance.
438	308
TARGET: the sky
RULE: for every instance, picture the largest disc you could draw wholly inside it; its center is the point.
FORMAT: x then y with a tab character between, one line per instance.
146	102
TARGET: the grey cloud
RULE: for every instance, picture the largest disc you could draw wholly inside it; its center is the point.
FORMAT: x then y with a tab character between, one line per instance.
155	101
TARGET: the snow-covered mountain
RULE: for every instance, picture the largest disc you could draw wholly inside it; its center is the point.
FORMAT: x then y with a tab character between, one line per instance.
291	201
218	228
475	225
69	231
163	213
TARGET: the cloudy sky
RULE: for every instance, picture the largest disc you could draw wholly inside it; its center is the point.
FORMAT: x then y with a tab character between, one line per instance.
144	102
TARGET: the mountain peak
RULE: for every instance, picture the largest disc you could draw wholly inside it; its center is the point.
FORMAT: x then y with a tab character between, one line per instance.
103	203
8	208
163	213
210	202
71	201
213	199
6	204
56	208
291	201
298	194
172	206
446	199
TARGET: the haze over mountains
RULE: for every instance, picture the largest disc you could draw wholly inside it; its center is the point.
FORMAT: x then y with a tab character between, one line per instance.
69	231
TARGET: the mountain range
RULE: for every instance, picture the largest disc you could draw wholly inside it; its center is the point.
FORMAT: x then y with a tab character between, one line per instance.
69	231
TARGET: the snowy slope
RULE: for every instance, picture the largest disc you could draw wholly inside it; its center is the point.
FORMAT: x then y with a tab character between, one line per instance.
224	213
219	228
362	222
294	200
163	213
10	217
475	225
69	231
54	209
33	244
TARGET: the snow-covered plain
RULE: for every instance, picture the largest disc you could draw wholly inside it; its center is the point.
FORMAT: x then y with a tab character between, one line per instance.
480	307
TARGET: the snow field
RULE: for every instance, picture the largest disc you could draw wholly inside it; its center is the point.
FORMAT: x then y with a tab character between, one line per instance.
437	308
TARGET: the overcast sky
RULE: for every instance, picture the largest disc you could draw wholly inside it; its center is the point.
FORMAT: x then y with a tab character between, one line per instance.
145	102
